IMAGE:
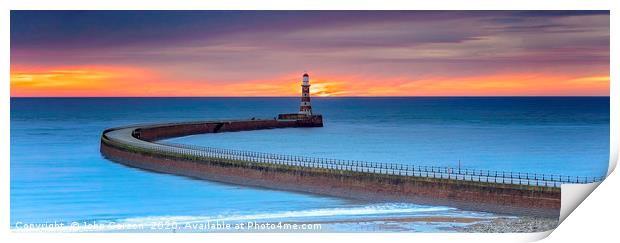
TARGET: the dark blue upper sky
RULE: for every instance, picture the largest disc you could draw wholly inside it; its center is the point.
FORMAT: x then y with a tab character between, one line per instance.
42	29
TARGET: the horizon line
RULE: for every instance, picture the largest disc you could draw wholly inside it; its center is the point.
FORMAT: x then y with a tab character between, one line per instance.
397	96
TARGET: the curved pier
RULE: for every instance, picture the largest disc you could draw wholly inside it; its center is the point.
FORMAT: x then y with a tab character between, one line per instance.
491	191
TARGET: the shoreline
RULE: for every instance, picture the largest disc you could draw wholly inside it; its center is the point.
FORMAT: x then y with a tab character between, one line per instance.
411	224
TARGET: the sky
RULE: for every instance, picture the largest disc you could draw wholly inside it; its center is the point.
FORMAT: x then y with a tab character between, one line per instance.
346	53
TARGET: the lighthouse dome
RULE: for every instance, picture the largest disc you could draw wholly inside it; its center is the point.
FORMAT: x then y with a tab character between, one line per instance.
305	75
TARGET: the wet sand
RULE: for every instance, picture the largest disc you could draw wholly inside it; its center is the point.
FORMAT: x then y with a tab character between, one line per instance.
502	224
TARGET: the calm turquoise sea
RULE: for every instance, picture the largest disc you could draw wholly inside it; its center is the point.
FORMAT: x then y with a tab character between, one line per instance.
58	174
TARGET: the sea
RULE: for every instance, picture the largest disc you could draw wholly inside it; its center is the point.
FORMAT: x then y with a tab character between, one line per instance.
59	177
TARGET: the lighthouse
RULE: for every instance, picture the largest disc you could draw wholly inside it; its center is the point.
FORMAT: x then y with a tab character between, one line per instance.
305	108
305	117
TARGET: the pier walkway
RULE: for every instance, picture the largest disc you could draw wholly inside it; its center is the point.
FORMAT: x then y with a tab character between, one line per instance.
505	192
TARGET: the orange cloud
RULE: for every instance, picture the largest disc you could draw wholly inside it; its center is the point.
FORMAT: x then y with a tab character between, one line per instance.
128	81
73	81
490	85
512	85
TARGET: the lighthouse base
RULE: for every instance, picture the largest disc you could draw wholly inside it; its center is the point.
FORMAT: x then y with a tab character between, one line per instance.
303	119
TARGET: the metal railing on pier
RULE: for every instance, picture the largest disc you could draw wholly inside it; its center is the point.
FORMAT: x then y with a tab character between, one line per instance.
475	175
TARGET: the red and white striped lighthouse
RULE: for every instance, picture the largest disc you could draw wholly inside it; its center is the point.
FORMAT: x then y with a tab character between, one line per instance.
305	107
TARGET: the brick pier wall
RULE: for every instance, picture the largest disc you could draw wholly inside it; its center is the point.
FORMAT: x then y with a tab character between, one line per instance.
479	196
152	133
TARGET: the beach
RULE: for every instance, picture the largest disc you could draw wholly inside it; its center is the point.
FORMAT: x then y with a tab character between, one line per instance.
522	224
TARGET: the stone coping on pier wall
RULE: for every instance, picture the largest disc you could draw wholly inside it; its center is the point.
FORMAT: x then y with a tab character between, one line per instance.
138	146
